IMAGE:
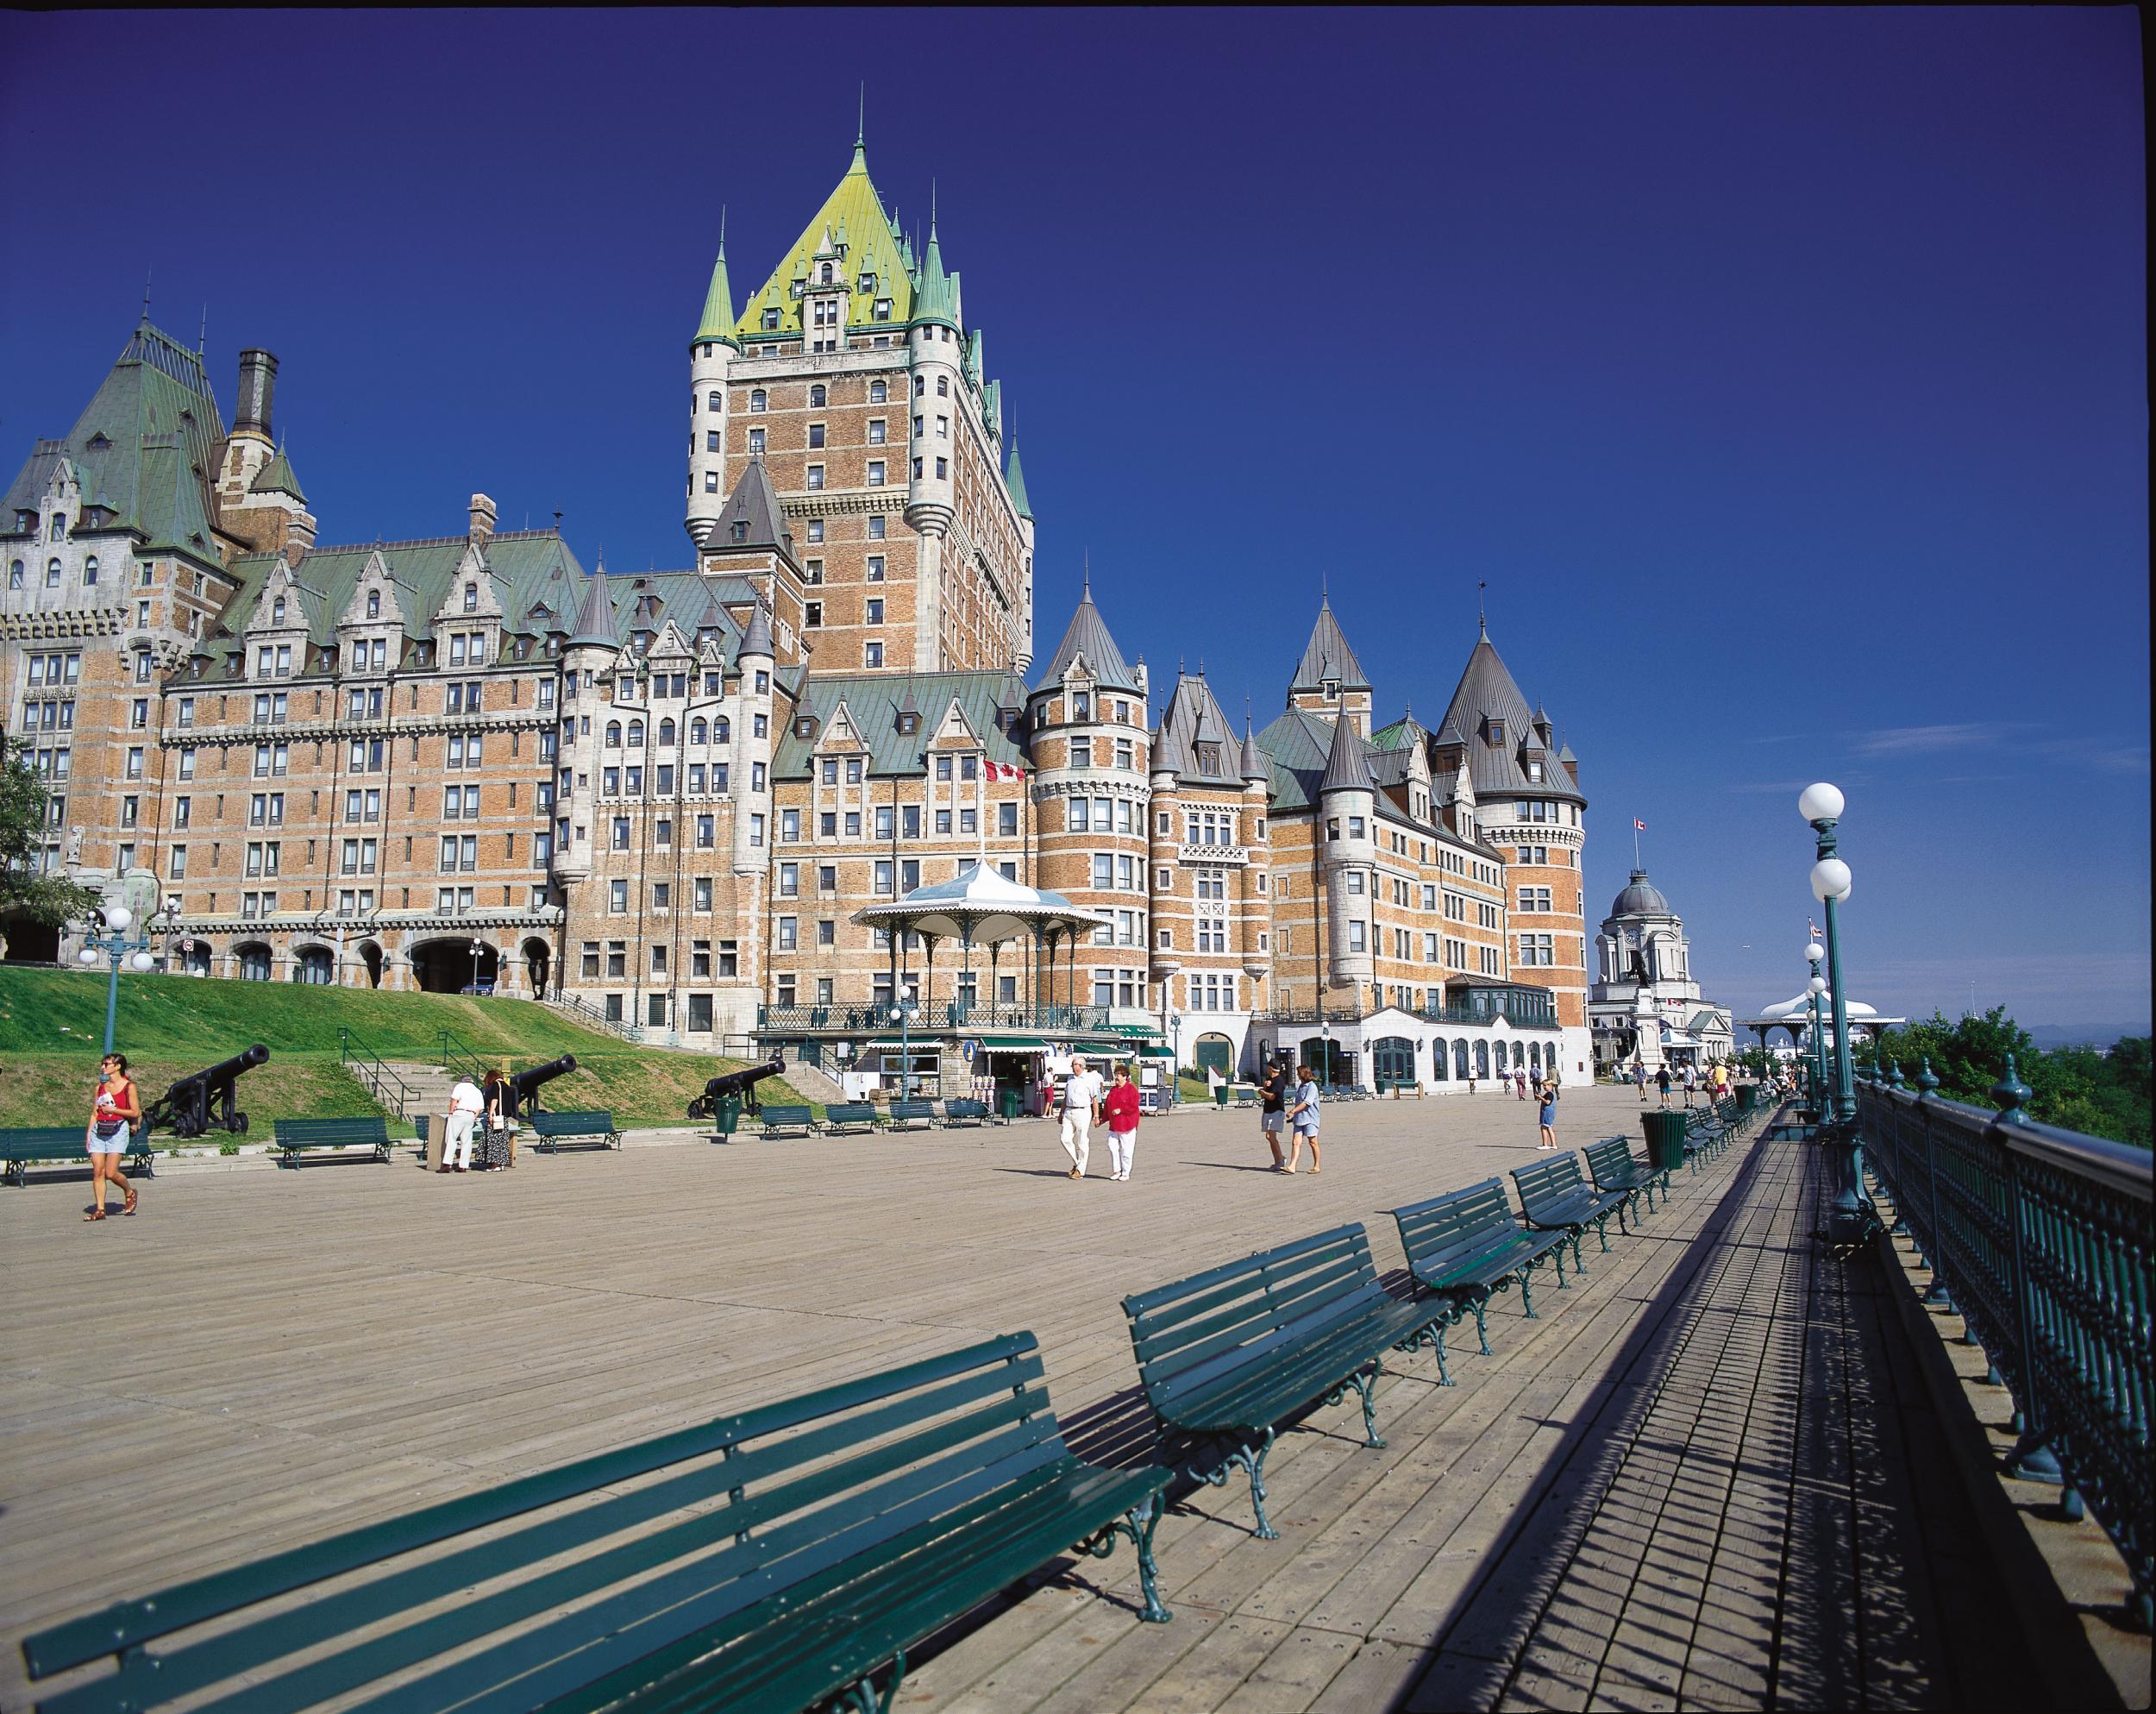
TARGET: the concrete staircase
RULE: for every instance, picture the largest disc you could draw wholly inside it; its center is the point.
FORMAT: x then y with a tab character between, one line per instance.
429	1086
814	1084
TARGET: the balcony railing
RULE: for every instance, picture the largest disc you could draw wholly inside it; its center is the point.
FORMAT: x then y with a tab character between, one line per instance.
861	1017
1519	1015
2040	1238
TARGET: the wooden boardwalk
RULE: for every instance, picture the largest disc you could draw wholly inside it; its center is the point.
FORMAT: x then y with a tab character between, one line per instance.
1694	1482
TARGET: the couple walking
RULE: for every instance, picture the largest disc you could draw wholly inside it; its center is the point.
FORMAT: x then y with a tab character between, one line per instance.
1296	1112
1084	1103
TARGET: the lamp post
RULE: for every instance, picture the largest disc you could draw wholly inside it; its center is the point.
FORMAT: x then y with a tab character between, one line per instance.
478	947
906	1050
115	943
1850	1218
1815	1067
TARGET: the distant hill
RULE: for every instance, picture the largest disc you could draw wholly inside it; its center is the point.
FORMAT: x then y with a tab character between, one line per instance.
2082	1035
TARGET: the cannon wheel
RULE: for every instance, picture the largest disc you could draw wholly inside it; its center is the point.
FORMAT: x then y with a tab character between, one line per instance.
240	1123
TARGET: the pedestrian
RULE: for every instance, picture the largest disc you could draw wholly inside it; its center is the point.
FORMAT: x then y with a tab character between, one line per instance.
1662	1083
1272	1110
1548	1116
1120	1109
114	1111
1691	1083
495	1153
1303	1121
1639	1080
1082	1105
468	1107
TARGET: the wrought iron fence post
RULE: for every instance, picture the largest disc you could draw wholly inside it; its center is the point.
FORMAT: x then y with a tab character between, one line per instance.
1938	1294
2033	1458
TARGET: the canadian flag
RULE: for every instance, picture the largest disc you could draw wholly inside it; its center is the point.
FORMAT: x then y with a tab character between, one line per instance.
1638	826
1002	771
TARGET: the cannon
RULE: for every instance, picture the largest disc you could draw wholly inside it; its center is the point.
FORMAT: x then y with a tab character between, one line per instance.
184	1109
741	1082
523	1088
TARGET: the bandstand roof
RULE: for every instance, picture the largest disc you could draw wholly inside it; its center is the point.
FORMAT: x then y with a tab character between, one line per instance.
981	904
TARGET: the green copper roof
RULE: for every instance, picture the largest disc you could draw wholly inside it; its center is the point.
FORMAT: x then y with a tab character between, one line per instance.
1014	480
874	249
277	478
938	299
873	701
146	446
717	320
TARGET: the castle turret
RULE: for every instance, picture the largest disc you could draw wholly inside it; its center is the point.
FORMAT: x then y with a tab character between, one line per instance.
1329	679
1348	804
712	354
1014	482
937	350
1257	893
587	663
757	661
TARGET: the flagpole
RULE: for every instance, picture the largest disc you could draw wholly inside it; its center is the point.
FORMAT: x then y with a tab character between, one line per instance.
1635	842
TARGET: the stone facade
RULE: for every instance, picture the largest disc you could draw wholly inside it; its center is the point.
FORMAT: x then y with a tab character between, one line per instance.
464	758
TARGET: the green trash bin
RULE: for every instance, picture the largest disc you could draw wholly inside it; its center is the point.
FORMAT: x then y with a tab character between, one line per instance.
1007	1104
727	1112
1221	1095
1747	1098
1665	1140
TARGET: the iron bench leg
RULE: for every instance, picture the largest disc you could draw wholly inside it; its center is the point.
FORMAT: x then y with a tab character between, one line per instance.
1481	1315
1243	1458
1362	1384
1602	1227
861	1697
1139	1525
1433	1336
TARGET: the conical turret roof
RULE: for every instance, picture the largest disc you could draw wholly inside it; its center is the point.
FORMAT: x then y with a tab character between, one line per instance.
756	639
1326	656
595	624
1253	764
872	249
1492	719
717	321
277	478
752	518
1014	481
1345	768
1087	635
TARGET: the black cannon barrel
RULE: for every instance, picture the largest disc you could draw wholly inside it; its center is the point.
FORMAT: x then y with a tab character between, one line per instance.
525	1082
741	1082
223	1071
185	1107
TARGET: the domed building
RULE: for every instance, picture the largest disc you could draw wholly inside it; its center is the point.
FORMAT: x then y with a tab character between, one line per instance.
1645	1008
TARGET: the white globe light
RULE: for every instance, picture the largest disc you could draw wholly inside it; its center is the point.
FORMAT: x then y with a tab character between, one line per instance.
86	956
1817	984
1821	802
117	917
141	961
1830	880
1816	952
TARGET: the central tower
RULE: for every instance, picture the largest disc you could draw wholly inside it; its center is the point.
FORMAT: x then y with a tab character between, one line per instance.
854	377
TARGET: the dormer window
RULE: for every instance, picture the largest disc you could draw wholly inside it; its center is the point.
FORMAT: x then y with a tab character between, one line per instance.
470	598
823	274
1332	689
59	532
804	727
277	611
1209	758
909	722
883	309
1534	772
1081	706
1497	732
740	530
374	604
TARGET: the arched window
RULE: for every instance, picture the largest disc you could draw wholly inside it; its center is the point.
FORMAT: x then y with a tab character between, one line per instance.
1438	1071
1482	1059
60	528
722	730
15	574
470	598
1534	1057
52	574
635	734
374	604
90	569
277	611
699	732
758	402
1519	1055
614	735
825	278
1459	1059
818	396
716	401
666	732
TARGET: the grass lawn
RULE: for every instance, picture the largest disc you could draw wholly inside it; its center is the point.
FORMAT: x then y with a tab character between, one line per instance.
52	1023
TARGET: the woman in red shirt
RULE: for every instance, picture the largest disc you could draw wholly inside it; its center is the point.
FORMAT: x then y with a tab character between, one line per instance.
1120	1109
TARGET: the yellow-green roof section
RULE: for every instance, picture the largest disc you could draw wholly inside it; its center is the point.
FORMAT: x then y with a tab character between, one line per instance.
854	213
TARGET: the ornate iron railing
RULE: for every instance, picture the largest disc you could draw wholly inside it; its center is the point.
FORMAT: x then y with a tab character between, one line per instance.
2040	1238
861	1017
1526	1015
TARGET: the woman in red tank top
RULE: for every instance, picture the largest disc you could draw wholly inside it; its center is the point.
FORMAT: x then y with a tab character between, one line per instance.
114	1111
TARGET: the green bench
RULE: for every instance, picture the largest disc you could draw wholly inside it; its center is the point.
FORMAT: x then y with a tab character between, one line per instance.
964	1112
297	1137
1465	1246
1243	1095
26	1147
1554	1197
594	1129
766	1559
788	1121
849	1118
1614	1167
1225	1354
907	1115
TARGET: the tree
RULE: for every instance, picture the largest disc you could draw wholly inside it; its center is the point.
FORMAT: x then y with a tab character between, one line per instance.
51	899
2074	1088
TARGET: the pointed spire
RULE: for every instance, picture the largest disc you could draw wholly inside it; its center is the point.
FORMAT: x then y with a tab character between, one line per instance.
1087	636
1326	656
716	323
1253	764
756	640
860	130
1014	481
595	625
1344	769
1481	616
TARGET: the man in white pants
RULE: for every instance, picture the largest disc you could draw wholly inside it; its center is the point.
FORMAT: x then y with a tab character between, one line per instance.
1082	1105
466	1104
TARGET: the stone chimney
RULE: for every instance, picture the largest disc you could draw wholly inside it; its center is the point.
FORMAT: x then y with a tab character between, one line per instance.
258	388
300	536
482	520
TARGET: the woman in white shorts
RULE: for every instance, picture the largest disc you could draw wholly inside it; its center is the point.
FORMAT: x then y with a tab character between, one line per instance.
114	1111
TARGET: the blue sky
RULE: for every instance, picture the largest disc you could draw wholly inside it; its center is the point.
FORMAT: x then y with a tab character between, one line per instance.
1782	372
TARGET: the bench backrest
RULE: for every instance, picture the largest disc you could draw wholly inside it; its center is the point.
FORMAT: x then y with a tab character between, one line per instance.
848	1112
965	1109
332	1130
44	1140
745	1504
913	1109
1547	1182
585	1124
1196	1330
1448	1228
1610	1159
787	1116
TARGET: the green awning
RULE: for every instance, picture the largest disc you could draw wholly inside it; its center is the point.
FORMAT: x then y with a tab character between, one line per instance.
1013	1044
1154	1050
